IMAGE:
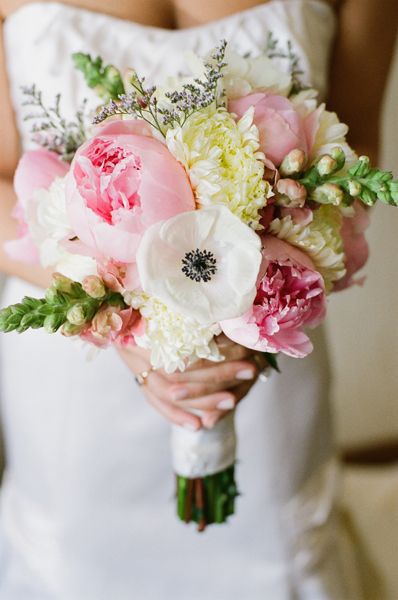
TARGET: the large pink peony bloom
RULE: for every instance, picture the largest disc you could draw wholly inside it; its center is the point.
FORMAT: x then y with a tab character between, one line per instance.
290	295
356	248
36	169
122	181
280	125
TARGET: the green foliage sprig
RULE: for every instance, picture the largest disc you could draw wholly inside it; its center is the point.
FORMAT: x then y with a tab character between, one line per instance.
106	80
65	305
328	184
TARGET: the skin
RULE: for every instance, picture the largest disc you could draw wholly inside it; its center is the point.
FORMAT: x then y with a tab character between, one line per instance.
360	64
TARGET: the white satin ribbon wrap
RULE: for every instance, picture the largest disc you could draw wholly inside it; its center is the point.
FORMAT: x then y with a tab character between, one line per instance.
204	452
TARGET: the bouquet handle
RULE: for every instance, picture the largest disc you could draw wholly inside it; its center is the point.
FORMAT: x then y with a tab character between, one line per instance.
204	463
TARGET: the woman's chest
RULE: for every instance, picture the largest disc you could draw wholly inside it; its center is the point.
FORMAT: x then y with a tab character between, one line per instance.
169	14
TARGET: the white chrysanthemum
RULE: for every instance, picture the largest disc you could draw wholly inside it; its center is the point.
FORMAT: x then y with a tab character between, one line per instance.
320	239
201	263
48	224
242	75
330	133
223	161
175	341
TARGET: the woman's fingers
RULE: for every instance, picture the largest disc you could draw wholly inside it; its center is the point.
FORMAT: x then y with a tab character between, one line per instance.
216	406
231	350
221	401
174	413
217	374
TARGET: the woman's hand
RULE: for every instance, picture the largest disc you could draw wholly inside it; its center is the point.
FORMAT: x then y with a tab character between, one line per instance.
212	388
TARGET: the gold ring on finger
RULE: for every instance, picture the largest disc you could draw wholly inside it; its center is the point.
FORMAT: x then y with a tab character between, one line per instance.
141	378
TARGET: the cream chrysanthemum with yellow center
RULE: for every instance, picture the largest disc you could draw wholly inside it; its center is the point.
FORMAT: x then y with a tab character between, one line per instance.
320	239
175	340
223	161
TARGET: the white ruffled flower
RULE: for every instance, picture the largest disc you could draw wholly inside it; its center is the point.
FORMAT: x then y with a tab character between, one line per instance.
320	239
202	264
48	224
330	133
223	161
175	341
243	75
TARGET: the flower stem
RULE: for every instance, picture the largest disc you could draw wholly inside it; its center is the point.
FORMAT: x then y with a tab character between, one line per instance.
207	500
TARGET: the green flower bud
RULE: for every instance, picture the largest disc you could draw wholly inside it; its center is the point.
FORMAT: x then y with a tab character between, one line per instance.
69	330
354	188
51	295
337	153
51	323
94	286
76	315
328	193
293	163
62	283
326	165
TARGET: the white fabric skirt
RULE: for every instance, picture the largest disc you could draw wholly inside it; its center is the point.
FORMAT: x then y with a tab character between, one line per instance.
87	507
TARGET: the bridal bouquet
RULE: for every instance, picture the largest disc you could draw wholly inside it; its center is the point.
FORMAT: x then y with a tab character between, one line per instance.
228	201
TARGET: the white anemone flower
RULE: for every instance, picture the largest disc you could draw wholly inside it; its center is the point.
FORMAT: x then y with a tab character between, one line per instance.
203	264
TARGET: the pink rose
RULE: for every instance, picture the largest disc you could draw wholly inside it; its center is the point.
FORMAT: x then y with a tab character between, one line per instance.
112	325
356	248
290	295
122	181
36	170
282	128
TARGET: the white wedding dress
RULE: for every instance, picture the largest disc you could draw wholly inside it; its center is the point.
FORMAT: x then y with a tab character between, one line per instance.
87	507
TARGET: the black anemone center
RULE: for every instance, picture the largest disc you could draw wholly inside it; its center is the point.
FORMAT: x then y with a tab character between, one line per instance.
199	265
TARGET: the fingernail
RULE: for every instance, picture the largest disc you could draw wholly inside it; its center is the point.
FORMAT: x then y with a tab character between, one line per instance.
179	394
226	404
190	426
245	374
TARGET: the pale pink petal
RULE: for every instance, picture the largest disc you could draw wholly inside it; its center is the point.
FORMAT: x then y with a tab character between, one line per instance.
23	250
37	169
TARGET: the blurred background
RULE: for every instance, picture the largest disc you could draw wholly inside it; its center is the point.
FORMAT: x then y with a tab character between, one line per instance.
363	333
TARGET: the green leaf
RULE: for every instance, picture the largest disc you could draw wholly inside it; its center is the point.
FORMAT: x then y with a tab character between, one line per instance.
272	360
105	80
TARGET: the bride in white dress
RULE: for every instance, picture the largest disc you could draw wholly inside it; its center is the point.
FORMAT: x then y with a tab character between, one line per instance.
87	496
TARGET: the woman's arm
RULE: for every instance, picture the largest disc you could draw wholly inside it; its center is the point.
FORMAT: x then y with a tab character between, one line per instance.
8	160
367	31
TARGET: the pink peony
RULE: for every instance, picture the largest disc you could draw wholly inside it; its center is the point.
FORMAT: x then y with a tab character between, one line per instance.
36	170
356	248
122	181
112	325
290	295
280	125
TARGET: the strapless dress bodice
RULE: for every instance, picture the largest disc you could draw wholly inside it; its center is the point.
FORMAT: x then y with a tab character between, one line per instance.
41	36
